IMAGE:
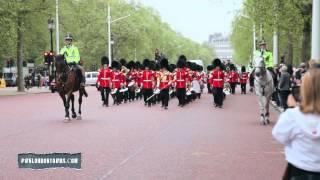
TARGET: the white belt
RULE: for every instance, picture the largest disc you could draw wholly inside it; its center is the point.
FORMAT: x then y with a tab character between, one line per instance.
116	80
180	80
147	80
105	78
217	79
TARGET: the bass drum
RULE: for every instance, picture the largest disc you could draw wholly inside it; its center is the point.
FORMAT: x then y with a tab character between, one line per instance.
132	86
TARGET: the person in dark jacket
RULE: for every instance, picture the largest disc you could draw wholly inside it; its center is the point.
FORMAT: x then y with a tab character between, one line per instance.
284	86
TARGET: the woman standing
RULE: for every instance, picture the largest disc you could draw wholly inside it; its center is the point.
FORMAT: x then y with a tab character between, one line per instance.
298	129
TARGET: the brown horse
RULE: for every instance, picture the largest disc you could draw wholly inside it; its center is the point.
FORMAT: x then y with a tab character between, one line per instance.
68	81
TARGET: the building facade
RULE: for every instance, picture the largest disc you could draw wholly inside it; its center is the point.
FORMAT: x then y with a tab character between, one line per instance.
222	46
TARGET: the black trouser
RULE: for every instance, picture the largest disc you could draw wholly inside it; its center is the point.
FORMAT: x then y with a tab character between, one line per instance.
131	95
181	95
146	94
105	95
284	97
209	88
233	87
124	96
218	96
164	94
251	79
244	88
294	173
117	97
139	95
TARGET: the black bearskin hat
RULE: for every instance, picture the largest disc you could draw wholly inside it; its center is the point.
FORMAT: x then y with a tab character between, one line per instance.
138	65
183	58
216	62
131	65
200	68
153	65
104	60
210	68
164	63
181	63
193	66
146	63
123	62
243	69
172	67
116	65
232	67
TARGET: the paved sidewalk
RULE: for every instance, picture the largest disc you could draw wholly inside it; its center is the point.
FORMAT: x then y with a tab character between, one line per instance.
11	91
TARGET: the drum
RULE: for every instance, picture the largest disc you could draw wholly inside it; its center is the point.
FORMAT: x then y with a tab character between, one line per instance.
123	90
188	93
131	84
114	91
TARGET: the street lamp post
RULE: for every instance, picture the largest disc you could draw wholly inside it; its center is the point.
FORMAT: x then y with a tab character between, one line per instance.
109	21
315	51
57	26
51	27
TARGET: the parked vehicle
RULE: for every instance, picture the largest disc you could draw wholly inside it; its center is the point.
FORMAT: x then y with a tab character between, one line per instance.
91	78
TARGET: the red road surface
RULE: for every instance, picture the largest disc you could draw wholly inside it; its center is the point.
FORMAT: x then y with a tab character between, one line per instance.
132	142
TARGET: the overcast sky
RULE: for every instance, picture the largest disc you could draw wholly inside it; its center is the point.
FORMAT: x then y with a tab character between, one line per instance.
197	19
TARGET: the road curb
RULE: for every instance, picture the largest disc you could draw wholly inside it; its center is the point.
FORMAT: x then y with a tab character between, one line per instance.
22	93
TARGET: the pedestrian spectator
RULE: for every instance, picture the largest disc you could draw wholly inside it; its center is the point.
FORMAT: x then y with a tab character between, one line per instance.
298	129
284	86
276	95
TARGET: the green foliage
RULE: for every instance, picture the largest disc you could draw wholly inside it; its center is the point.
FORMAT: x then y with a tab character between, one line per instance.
287	17
134	38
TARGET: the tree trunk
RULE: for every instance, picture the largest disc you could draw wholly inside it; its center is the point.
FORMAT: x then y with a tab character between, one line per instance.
306	42
20	79
290	49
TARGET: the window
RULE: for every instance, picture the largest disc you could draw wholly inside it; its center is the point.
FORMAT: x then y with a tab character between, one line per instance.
94	75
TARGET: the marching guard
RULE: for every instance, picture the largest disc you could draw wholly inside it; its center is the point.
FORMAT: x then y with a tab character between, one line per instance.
164	80
139	80
181	78
233	78
243	80
132	80
104	81
117	81
147	82
217	80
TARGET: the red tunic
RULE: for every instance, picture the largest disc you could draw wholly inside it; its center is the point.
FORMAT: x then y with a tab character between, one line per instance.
139	78
133	75
164	79
233	76
117	79
147	79
104	77
244	78
182	76
217	78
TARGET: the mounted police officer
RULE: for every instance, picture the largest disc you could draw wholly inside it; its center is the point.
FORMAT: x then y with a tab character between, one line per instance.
72	56
266	55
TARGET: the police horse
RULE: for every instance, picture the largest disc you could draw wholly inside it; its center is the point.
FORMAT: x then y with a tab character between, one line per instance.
67	82
264	88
